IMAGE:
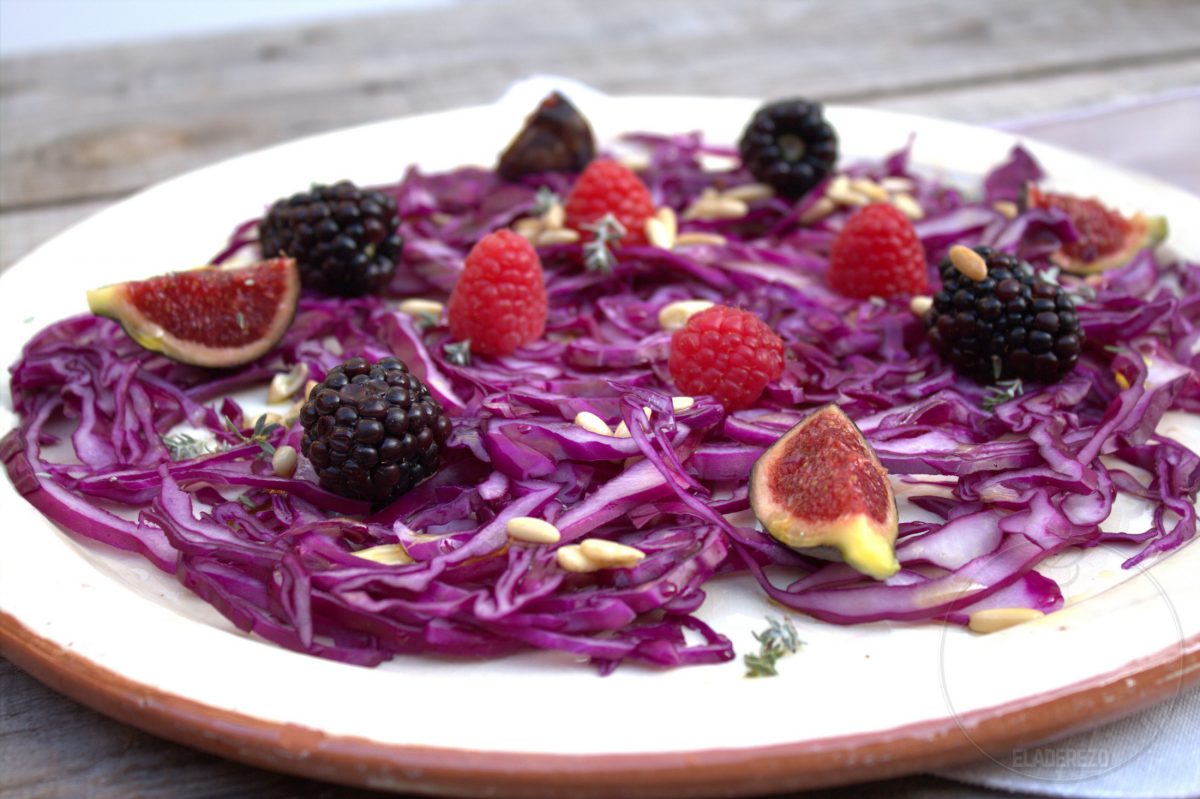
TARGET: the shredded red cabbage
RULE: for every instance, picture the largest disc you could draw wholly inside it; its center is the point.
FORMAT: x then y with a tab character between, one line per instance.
1007	487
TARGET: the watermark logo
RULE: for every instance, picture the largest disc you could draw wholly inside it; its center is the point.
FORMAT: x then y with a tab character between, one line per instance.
1059	758
965	678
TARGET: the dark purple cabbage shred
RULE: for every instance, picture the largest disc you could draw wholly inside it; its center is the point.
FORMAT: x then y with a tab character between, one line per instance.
1006	488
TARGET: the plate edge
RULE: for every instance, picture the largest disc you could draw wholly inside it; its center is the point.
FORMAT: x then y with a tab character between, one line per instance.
356	761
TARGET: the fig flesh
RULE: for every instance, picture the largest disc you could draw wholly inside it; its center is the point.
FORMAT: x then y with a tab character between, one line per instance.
211	316
822	486
1107	239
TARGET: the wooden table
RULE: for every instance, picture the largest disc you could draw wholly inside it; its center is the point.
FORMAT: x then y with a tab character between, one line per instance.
80	130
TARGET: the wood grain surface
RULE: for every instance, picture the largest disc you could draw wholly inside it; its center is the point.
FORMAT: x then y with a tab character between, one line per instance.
82	129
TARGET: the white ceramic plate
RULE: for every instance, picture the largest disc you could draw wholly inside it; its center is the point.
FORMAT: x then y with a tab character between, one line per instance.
857	703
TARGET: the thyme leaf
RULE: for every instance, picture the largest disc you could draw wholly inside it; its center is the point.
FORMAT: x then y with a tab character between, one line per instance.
778	640
597	254
1002	392
458	352
184	446
260	434
544	200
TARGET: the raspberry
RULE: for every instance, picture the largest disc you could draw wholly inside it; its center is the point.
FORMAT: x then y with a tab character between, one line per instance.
728	353
610	187
499	301
878	254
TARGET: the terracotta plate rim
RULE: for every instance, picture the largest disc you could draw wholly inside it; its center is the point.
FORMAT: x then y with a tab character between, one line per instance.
352	760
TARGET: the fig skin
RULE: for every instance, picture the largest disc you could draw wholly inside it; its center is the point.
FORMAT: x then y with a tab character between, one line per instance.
846	470
555	138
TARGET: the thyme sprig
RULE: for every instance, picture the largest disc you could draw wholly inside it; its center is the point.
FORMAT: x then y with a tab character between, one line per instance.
778	640
260	435
426	320
1078	290
597	254
458	352
544	200
184	446
1002	392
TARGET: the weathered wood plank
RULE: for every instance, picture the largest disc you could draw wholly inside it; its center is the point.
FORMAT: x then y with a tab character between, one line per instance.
1014	100
53	748
102	122
21	231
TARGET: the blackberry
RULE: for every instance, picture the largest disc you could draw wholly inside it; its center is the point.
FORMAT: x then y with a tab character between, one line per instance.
344	239
790	146
372	432
1012	324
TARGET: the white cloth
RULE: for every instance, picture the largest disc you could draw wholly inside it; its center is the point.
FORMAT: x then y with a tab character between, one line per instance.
1154	754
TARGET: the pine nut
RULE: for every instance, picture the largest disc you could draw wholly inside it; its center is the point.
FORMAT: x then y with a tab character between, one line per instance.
996	619
682	403
847	197
697	210
285	384
920	305
870	189
636	162
593	423
666	215
700	237
749	192
622	430
554	217
283	462
908	206
571	559
711	206
729	208
610	553
841	192
1007	208
418	308
969	262
532	530
387	554
675	315
529	227
818	211
560	236
658	234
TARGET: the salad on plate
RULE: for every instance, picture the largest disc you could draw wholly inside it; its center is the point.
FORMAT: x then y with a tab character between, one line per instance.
544	405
